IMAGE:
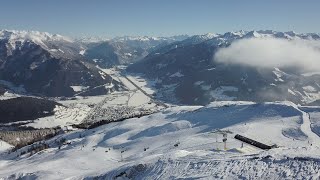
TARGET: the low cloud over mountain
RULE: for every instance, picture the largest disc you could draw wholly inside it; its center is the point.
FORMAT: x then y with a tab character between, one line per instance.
272	52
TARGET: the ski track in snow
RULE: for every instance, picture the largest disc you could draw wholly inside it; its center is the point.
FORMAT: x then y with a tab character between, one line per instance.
306	128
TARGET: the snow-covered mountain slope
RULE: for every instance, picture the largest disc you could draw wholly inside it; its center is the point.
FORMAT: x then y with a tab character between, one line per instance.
31	35
179	143
188	72
57	45
47	64
138	39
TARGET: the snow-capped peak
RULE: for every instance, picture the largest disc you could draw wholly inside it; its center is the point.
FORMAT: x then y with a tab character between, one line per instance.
200	38
291	33
35	36
253	34
53	43
92	39
206	36
135	38
234	34
210	35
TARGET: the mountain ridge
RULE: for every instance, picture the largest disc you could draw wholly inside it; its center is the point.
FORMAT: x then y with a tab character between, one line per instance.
206	79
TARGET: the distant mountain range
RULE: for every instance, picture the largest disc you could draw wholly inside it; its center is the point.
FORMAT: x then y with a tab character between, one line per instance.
183	67
51	64
124	50
186	72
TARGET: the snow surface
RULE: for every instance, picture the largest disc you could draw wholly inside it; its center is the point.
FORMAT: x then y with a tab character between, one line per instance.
198	83
309	96
218	93
40	38
63	116
309	89
4	146
8	95
146	85
35	36
82	52
278	73
291	92
79	88
138	99
178	143
177	74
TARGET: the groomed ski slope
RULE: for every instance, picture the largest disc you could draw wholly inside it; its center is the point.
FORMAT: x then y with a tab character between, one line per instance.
178	143
306	128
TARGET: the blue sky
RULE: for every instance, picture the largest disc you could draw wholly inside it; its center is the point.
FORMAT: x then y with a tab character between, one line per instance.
111	18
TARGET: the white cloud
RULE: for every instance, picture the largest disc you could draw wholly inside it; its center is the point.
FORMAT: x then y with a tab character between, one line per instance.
272	52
